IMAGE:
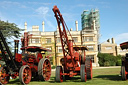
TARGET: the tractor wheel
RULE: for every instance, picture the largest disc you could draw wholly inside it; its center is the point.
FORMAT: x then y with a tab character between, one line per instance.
123	73
25	74
59	74
88	64
44	69
4	77
82	59
83	73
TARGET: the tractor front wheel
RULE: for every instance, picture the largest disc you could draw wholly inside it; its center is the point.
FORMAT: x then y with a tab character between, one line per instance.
4	77
25	74
44	69
59	74
83	73
88	64
123	73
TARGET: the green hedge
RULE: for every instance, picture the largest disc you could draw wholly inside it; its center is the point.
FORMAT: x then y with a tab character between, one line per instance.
109	60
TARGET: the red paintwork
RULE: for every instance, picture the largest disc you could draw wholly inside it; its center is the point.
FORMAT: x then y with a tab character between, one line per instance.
32	59
47	70
31	56
71	61
35	49
4	78
18	57
27	75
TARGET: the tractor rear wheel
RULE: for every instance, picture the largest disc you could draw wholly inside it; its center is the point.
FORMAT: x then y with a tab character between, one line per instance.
59	74
4	77
83	73
123	73
44	69
88	64
25	74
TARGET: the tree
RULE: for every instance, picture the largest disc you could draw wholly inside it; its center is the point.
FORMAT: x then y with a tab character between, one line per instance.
109	60
10	29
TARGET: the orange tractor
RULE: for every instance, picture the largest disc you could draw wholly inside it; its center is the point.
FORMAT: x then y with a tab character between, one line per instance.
73	63
29	64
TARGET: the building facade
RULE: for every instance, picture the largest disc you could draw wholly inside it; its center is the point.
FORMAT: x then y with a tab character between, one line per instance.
88	36
51	40
109	47
90	33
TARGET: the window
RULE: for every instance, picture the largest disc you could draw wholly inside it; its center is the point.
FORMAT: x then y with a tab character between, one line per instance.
92	57
108	48
87	39
58	40
59	49
90	48
35	40
50	48
48	40
75	39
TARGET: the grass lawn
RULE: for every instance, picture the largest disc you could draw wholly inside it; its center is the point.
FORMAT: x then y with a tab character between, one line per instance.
106	76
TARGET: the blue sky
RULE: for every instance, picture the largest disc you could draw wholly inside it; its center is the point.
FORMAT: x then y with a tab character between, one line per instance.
113	15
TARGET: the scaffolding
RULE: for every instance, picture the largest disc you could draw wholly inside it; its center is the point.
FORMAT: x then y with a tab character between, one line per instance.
87	18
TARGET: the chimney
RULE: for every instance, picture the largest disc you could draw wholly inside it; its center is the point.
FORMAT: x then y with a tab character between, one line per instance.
43	25
70	29
108	40
25	25
113	40
76	22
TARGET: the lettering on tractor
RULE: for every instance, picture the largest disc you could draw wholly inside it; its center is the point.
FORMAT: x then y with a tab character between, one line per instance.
124	67
74	61
27	65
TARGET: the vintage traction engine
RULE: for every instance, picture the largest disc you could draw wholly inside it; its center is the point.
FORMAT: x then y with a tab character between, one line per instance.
73	63
124	67
29	64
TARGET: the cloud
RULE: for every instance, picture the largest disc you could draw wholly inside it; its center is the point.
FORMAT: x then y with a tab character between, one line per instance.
121	38
42	11
35	3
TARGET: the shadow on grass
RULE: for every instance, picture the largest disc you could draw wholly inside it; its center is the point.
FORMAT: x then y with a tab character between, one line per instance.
110	77
17	81
72	79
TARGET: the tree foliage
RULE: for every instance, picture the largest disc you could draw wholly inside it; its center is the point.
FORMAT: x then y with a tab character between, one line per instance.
10	29
109	60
